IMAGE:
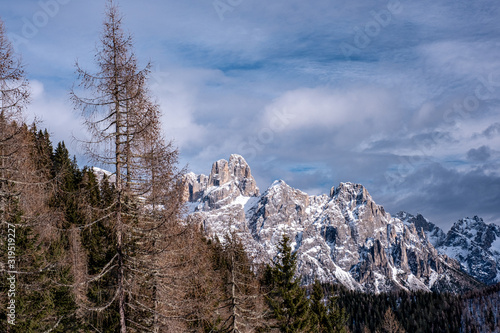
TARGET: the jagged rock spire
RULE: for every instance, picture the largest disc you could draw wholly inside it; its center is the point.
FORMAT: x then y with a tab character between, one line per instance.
236	170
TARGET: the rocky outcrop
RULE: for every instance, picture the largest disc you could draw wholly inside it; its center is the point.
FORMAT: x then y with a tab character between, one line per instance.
237	171
476	245
219	174
240	172
227	181
194	186
280	205
434	234
472	245
342	237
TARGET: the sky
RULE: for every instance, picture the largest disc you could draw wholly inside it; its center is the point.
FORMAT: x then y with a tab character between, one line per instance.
400	96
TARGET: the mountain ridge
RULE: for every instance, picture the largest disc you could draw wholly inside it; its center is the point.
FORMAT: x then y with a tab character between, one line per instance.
472	242
342	237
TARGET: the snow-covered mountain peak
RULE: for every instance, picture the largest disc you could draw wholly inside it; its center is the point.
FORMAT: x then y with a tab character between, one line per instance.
101	173
469	226
472	242
350	195
237	171
477	232
280	186
420	222
227	181
342	237
278	183
351	188
239	167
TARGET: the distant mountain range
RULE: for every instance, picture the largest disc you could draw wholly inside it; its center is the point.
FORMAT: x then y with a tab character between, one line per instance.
472	242
343	236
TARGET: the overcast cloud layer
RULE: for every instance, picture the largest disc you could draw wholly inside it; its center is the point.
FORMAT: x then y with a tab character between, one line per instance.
400	96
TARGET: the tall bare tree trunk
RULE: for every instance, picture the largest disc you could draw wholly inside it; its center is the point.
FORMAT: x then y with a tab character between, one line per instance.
118	182
119	249
126	133
233	297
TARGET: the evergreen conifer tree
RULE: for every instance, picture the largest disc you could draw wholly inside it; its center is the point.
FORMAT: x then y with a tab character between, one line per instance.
287	299
337	317
329	319
319	320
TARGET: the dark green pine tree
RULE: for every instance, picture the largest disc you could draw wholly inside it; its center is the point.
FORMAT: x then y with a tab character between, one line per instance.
337	317
42	151
65	169
286	299
329	319
320	322
68	179
79	200
43	297
98	242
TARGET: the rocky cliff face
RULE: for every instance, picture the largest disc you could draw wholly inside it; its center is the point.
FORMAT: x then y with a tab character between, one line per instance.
342	237
226	182
472	242
434	234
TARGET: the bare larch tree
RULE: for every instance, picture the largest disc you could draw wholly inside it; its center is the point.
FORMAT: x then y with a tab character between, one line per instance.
124	123
14	95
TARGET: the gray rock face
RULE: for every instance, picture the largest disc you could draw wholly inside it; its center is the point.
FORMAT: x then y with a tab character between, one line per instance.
342	237
435	235
240	172
474	244
194	186
219	174
280	205
226	182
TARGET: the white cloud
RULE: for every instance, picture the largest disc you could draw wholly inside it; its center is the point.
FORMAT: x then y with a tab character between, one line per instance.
461	58
55	112
37	89
220	77
177	91
351	111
